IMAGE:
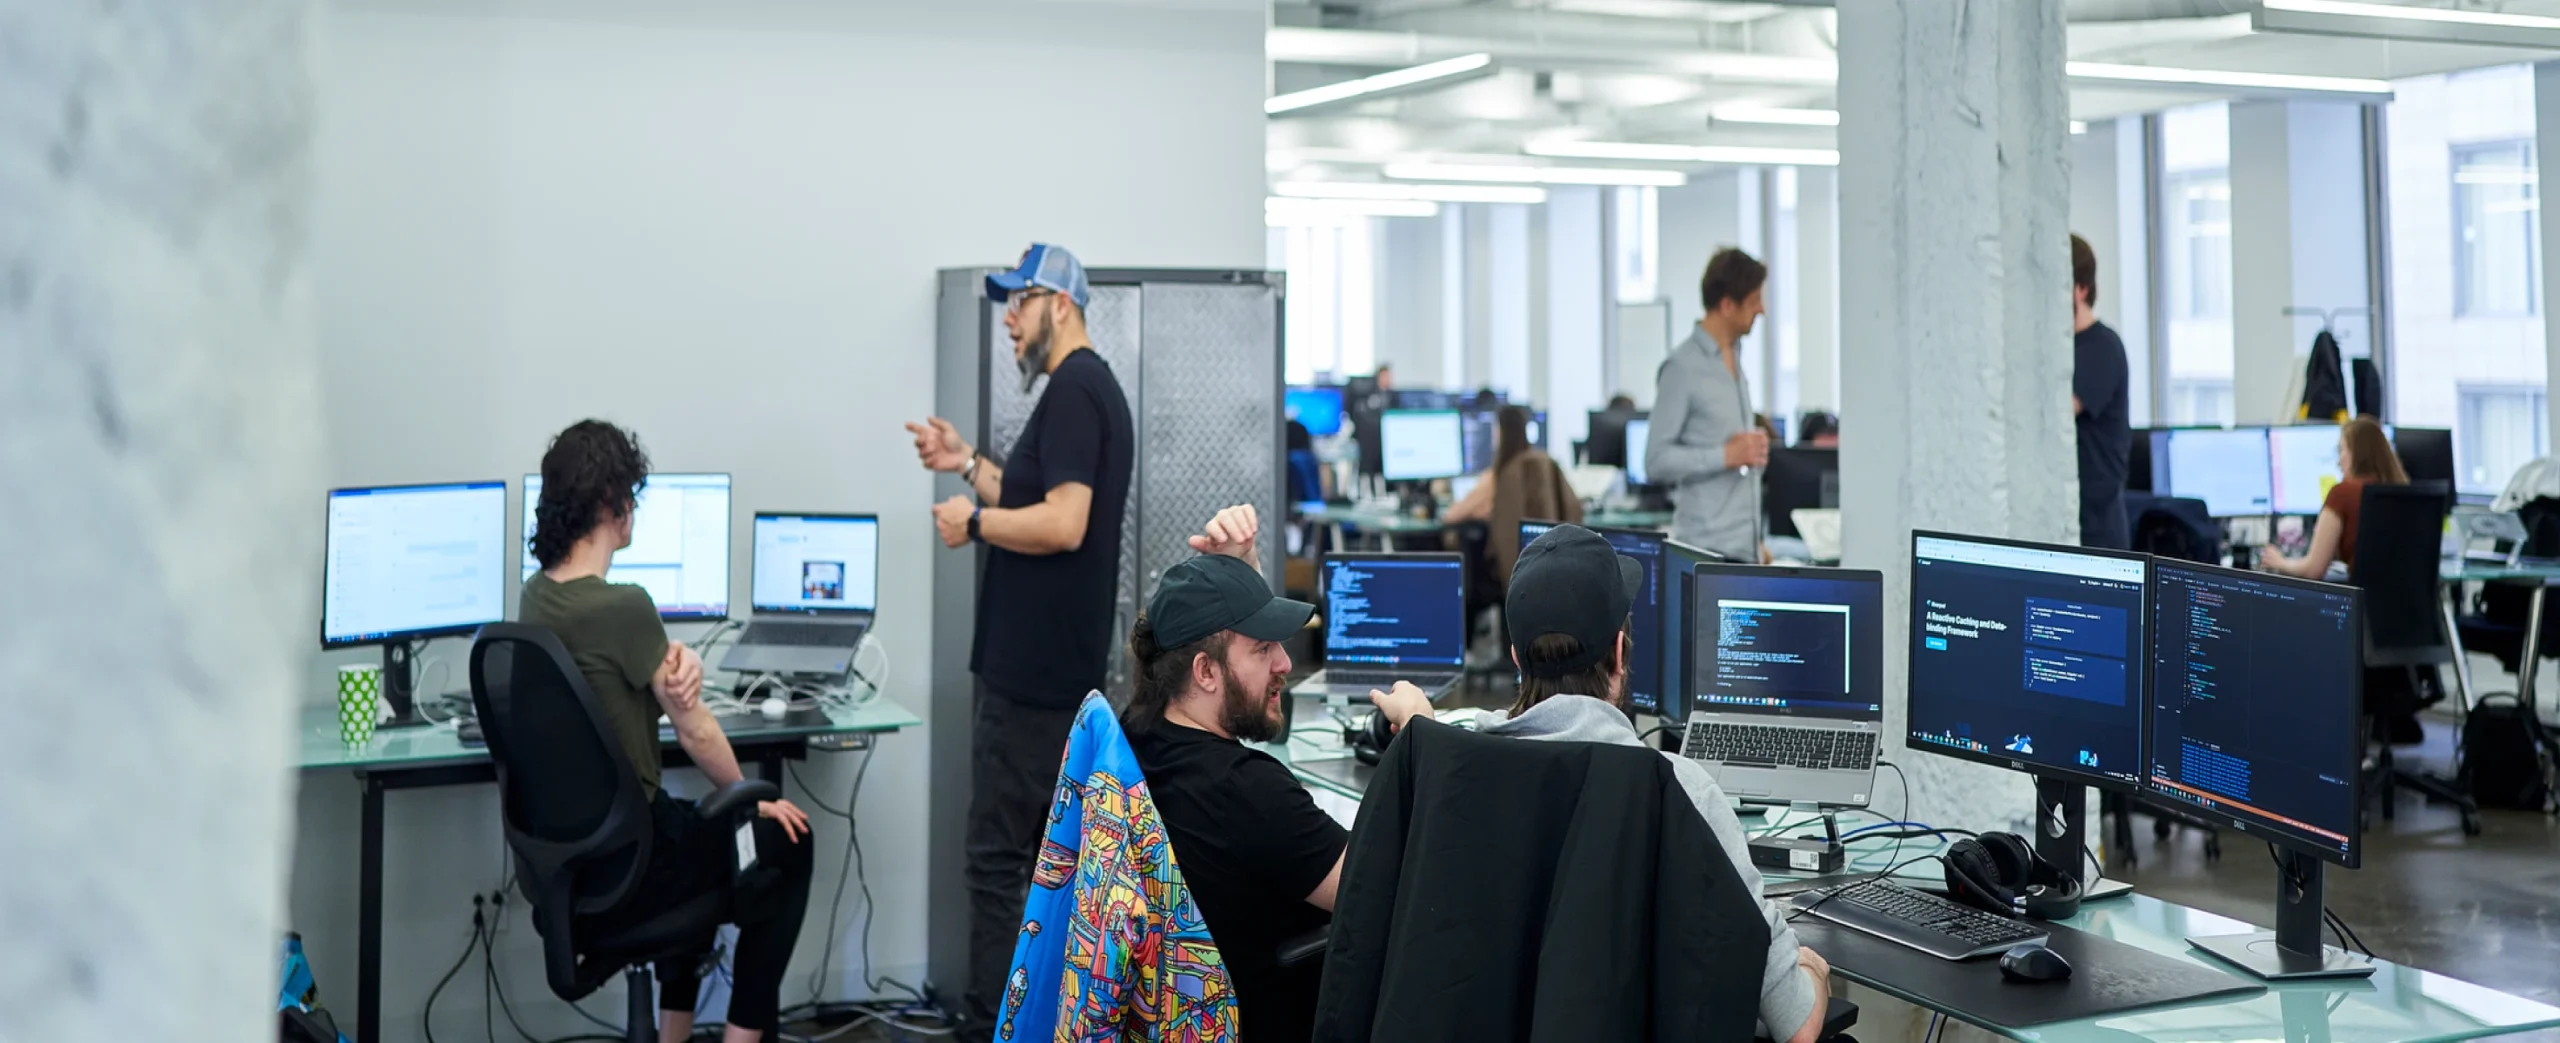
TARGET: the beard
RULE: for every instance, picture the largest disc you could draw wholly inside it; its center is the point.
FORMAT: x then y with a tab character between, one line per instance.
1034	358
1250	716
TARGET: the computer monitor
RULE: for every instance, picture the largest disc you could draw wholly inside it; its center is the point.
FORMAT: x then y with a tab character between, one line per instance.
1605	443
1424	398
1794	480
2256	707
679	546
1395	609
2227	468
1531	529
1678	561
1318	407
411	562
816	563
1421	444
1638	430
1479	431
2427	454
2029	657
1644	624
1777	641
1538	429
2305	466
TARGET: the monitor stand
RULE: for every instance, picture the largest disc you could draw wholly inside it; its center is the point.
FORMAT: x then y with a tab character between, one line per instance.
2062	831
397	693
2293	950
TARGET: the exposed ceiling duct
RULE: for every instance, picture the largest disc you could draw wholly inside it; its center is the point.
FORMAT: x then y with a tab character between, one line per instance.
2116	10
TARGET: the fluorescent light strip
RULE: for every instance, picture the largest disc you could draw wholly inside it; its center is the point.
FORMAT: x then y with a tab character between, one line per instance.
1462	65
1433	193
1282	211
1782	116
2223	78
1745	154
1526	175
2348	9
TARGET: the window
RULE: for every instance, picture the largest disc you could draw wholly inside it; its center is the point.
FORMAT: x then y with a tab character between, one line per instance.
1637	212
2194	237
2496	253
2500	430
1330	322
2200	263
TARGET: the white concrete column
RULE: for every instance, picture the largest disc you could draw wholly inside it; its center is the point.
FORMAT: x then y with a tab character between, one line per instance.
159	488
1577	302
1410	303
2297	240
1817	289
2546	99
1456	325
1506	306
1955	315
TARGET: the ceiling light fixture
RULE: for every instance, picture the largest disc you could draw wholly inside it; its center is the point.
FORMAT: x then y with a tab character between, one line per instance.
1526	175
1280	212
1440	73
1777	115
2079	126
1649	152
2270	81
1432	193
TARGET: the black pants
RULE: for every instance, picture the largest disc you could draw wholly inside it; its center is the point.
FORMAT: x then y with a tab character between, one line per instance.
1013	771
691	857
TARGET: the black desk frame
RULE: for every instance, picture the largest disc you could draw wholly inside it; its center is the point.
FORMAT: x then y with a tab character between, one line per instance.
767	755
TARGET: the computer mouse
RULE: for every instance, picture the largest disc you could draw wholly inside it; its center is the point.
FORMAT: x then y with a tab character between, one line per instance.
775	708
2034	963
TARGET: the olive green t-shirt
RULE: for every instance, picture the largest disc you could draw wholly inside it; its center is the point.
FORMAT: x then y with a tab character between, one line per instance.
613	634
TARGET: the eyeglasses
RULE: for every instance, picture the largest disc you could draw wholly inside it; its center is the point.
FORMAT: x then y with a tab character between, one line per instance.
1023	298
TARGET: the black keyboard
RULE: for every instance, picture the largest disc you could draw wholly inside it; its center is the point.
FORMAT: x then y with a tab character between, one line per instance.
1923	921
802	635
1761	746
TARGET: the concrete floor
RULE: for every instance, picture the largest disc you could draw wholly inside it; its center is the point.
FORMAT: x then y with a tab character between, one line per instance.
2485	909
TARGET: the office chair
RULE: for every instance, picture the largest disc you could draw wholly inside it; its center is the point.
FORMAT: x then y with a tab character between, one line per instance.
2497	625
2398	533
580	826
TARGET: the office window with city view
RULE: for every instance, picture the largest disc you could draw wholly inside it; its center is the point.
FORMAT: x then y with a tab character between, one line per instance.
2195	245
2466	257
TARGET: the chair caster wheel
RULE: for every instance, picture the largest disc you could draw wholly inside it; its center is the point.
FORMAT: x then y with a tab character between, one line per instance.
2470	825
2160	828
2213	849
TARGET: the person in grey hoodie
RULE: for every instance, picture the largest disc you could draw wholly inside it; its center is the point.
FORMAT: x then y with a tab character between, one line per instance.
1567	613
1702	442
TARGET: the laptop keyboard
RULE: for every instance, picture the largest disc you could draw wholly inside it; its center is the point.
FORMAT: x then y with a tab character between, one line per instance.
801	635
1379	678
1762	746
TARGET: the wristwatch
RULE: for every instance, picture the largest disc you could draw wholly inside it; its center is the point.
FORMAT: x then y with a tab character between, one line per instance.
973	524
969	473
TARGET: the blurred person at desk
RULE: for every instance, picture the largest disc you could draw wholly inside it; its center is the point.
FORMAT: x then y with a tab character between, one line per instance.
2365	458
1568	614
1210	672
1704	442
591	479
1523	483
1818	430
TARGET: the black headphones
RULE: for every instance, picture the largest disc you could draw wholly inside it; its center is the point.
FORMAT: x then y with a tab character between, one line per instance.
1368	736
2002	873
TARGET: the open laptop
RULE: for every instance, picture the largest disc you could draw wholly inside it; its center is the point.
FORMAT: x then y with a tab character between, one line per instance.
1784	681
815	586
1390	618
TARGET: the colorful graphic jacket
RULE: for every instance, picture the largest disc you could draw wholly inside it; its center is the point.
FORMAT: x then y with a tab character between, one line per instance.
1112	946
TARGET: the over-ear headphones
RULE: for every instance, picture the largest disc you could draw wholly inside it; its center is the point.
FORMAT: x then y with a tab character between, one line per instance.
2002	873
1368	736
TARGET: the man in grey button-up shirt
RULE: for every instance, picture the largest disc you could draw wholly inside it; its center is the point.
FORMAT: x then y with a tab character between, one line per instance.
1702	442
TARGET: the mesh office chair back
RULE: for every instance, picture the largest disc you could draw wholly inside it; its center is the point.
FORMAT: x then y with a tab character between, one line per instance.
2399	536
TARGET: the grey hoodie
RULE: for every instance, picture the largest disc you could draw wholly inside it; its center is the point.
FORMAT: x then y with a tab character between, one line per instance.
1786	990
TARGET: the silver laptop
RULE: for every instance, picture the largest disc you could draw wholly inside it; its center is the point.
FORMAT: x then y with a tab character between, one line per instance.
1390	618
1785	681
815	586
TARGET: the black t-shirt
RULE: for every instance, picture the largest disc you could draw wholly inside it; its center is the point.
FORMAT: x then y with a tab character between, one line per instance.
2098	380
1252	844
1045	621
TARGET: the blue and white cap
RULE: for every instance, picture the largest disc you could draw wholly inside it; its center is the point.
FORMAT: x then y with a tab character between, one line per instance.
1045	266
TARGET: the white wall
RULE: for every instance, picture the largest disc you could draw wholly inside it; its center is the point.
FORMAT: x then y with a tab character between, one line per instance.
717	224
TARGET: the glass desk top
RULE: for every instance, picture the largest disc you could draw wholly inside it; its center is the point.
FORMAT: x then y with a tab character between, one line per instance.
317	735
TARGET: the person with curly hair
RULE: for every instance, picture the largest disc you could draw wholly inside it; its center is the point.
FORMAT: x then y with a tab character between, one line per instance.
591	481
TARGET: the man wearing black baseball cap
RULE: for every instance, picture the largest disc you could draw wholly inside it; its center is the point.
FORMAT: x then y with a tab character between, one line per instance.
1567	611
1262	860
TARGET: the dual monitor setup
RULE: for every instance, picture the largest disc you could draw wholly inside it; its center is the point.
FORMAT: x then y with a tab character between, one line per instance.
2234	697
409	563
1422	435
2242	472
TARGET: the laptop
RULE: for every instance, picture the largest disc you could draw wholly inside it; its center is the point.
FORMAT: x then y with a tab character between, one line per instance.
1390	618
815	585
1784	681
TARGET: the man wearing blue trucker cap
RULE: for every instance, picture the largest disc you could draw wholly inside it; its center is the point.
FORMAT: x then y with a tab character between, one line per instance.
1567	610
1050	516
1262	860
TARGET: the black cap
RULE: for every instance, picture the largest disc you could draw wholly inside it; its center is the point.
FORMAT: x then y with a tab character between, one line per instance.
1214	592
1570	582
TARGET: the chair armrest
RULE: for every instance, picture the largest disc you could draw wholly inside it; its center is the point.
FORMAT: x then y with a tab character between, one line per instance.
1839	1017
737	799
1308	946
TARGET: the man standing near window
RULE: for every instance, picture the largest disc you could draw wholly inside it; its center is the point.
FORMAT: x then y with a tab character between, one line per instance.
1050	517
2100	408
1703	442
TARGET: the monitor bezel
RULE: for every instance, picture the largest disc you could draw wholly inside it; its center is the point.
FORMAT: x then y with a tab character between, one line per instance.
728	539
405	636
1324	585
1688	645
811	610
2141	695
2251	827
1454	412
